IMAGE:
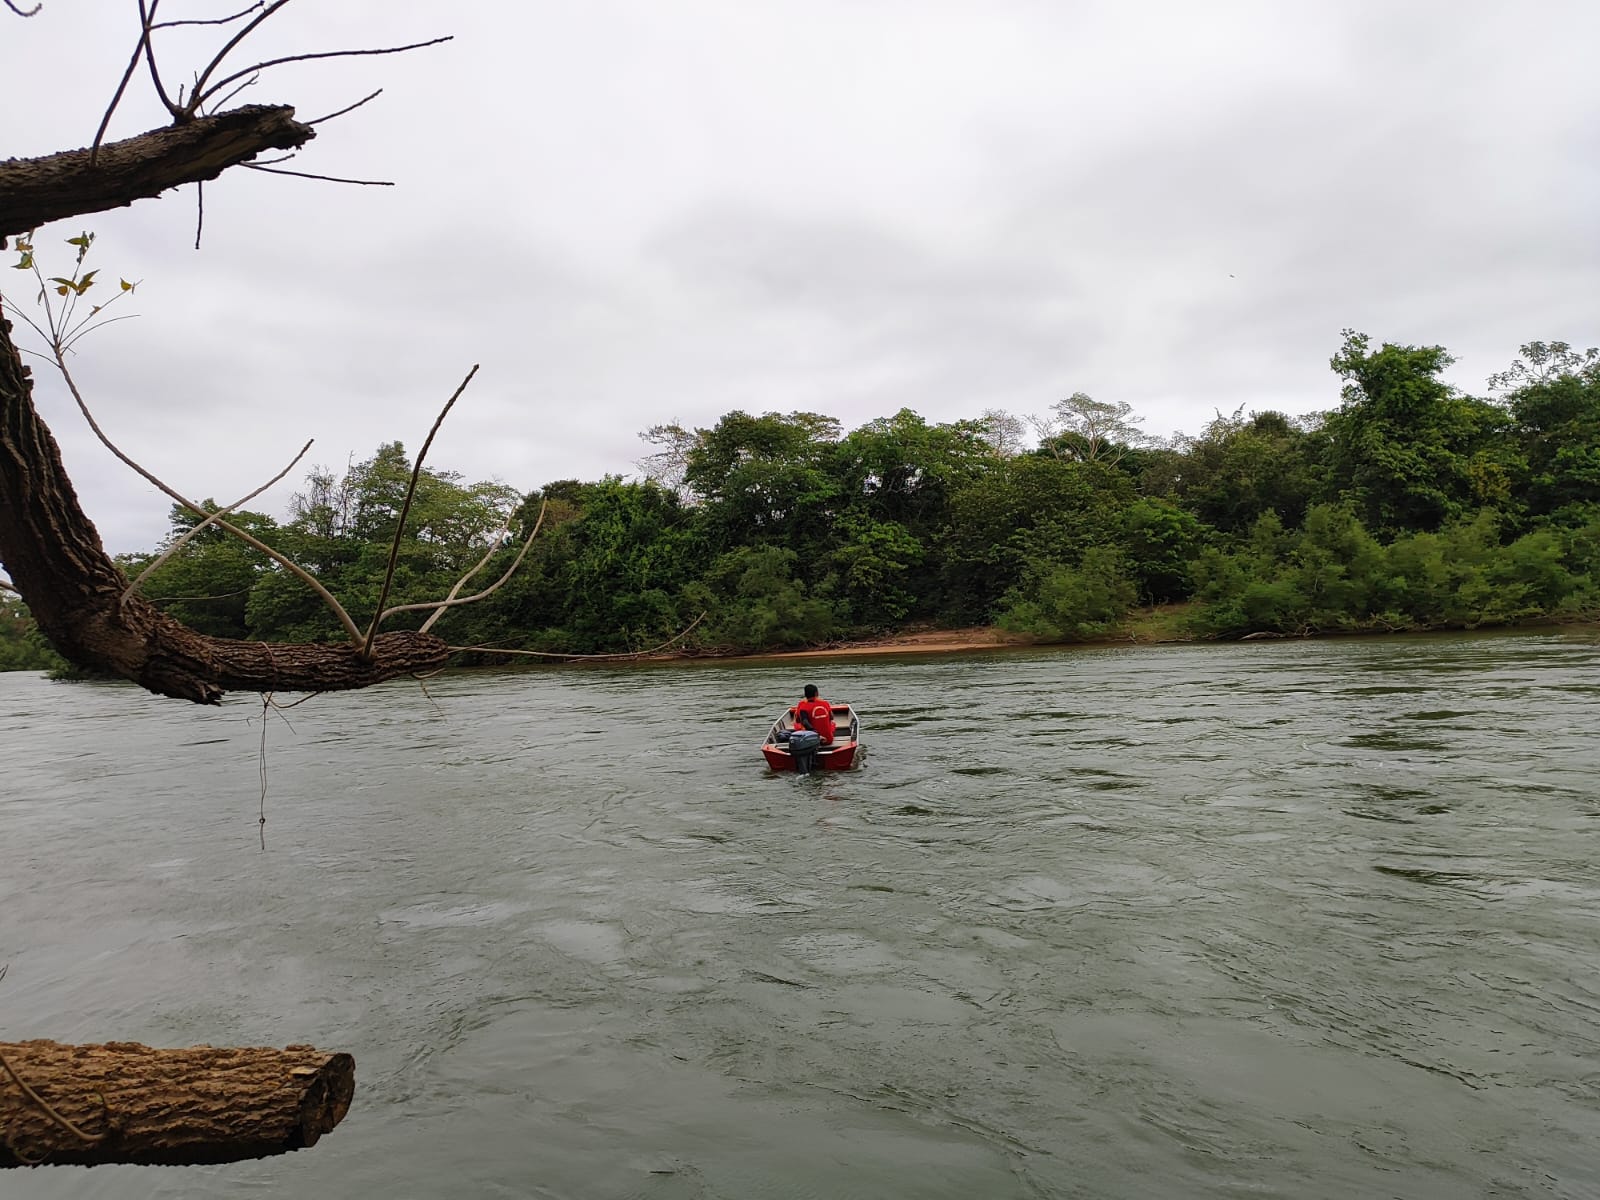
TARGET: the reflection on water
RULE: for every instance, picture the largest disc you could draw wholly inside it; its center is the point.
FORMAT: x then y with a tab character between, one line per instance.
1290	919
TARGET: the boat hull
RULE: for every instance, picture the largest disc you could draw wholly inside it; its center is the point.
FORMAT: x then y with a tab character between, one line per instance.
829	758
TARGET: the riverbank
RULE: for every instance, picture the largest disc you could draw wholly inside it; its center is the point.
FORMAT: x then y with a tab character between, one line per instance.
1162	624
1165	624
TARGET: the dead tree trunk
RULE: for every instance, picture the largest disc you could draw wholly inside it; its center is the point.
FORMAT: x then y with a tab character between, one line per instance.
122	1102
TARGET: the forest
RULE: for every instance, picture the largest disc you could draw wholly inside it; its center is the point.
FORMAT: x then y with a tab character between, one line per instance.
1410	506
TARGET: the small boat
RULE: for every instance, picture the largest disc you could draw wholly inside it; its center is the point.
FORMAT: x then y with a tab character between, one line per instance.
838	755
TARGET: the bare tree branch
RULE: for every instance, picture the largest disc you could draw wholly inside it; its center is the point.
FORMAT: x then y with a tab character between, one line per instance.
211	20
34	11
223	103
72	339
450	600
116	97
147	27
210	520
687	629
197	599
347	108
405	509
253	542
36	191
146	16
324	178
233	42
200	97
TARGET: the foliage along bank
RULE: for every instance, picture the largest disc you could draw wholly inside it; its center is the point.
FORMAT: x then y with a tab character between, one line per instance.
1409	506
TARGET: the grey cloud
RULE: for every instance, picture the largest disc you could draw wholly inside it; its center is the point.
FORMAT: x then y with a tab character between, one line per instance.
631	213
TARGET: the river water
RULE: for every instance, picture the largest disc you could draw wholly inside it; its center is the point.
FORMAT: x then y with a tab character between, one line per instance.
1297	919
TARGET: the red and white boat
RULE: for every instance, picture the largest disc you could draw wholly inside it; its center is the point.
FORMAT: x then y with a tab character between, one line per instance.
838	755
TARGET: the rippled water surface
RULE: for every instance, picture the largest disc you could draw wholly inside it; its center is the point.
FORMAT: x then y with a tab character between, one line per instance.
1289	919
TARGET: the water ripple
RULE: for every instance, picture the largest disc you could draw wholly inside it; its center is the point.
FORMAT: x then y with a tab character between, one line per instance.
1280	919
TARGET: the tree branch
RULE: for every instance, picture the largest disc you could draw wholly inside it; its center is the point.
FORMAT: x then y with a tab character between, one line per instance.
324	178
347	108
254	543
450	601
57	564
405	509
212	519
200	96
146	17
233	42
34	191
116	96
679	636
240	15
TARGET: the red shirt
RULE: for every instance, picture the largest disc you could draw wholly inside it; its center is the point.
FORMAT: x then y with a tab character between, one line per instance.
821	714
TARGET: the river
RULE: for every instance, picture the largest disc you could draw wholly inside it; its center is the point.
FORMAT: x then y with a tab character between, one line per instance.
1292	919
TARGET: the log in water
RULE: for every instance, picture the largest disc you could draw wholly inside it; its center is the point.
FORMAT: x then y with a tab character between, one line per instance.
123	1102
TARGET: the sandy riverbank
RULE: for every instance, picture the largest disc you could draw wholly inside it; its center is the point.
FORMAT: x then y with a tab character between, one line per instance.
1150	626
1163	625
930	641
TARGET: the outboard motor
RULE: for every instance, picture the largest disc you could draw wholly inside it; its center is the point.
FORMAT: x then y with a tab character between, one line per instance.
803	744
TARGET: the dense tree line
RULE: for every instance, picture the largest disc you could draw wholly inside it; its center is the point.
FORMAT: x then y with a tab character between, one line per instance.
1409	506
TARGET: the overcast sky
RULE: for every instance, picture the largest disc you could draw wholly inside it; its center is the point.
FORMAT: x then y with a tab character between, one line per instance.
633	211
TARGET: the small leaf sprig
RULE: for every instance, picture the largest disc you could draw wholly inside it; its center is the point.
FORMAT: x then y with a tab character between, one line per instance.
65	323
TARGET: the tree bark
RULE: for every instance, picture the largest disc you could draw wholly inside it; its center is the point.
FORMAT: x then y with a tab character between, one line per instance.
134	1104
55	559
34	191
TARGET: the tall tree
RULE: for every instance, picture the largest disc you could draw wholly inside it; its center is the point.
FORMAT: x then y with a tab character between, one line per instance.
1239	467
1409	449
1028	509
902	469
1084	429
765	478
1554	399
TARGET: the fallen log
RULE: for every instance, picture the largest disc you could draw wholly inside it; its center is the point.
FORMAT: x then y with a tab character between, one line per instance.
122	1102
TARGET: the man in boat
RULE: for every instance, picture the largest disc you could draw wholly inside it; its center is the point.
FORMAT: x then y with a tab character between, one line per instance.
816	714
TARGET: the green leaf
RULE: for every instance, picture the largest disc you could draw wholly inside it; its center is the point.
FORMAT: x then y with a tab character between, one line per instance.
27	262
126	286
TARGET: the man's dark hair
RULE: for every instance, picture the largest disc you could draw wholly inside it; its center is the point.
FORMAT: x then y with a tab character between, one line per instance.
811	691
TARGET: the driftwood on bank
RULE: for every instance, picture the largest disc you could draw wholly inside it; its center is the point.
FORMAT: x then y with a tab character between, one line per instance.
122	1102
